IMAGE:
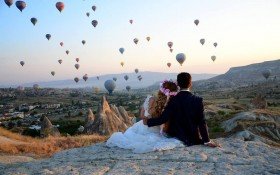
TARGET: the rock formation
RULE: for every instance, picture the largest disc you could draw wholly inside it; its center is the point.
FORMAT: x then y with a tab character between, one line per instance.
109	119
47	129
259	102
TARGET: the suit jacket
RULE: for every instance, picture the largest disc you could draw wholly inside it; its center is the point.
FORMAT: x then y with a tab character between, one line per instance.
185	114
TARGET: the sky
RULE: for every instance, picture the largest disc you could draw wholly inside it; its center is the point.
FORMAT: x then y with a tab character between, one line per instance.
247	31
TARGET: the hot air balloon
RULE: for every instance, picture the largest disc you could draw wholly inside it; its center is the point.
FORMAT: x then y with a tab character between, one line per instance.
122	64
77	66
59	6
61	44
126	77
76	79
115	79
94	23
53	73
196	22
36	87
136	71
93	8
170	44
148	38
83	42
131	21
97	77
266	73
20	88
140	78
59	61
34	21
135	40
21	5
77	59
128	88
121	50
48	36
181	57
213	58
9	2
110	85
67	52
22	63
202	41
171	50
87	14
169	64
215	44
85	77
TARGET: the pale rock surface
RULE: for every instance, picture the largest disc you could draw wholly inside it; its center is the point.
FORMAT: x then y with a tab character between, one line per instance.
235	157
47	129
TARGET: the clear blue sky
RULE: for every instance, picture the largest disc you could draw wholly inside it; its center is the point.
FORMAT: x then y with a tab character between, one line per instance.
247	31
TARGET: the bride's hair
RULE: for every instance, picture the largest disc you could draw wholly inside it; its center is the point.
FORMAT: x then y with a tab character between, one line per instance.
162	98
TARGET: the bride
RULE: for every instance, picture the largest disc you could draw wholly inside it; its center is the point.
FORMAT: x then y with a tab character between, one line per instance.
142	139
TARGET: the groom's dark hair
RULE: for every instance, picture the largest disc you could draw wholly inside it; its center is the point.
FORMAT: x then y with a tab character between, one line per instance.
184	80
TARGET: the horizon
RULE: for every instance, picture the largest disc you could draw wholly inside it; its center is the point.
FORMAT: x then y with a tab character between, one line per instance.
234	25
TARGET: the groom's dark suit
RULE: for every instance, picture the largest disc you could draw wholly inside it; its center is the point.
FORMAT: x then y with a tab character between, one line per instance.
185	113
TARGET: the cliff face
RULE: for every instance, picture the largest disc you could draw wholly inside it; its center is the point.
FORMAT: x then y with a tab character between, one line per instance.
235	157
109	119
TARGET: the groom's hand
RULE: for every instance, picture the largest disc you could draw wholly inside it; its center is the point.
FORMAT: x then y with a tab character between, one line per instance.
145	121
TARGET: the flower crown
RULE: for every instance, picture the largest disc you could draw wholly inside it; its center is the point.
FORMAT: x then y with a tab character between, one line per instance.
165	91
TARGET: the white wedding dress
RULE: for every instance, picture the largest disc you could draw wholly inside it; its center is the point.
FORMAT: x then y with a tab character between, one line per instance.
141	139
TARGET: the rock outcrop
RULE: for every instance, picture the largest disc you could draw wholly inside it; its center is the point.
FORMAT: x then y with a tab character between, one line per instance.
235	157
109	119
259	102
47	129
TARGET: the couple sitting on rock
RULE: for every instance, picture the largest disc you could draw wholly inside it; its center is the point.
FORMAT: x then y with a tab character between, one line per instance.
172	119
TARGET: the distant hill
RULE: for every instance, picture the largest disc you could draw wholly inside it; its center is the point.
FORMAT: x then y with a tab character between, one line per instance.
242	76
149	78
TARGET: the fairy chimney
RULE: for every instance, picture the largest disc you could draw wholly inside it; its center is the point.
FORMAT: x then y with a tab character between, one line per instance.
47	129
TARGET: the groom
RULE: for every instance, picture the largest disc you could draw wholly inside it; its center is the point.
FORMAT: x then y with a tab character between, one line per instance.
185	113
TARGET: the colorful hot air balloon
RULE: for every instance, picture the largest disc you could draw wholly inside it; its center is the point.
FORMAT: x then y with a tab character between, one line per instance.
266	73
170	44
59	6
181	57
94	23
53	73
9	2
48	36
85	77
77	66
136	40
22	63
76	79
121	50
202	41
21	5
115	79
110	85
84	42
126	77
148	38
59	61
196	22
77	59
61	44
213	58
34	21
93	8
122	64
67	52
128	88
136	71
87	14
131	21
169	64
215	44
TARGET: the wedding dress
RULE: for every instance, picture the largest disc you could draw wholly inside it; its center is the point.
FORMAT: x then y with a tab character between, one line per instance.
142	139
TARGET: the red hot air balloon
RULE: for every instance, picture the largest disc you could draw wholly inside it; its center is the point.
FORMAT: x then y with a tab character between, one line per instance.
59	6
21	5
77	59
9	2
169	64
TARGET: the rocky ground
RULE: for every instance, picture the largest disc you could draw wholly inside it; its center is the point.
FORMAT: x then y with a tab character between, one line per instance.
235	157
